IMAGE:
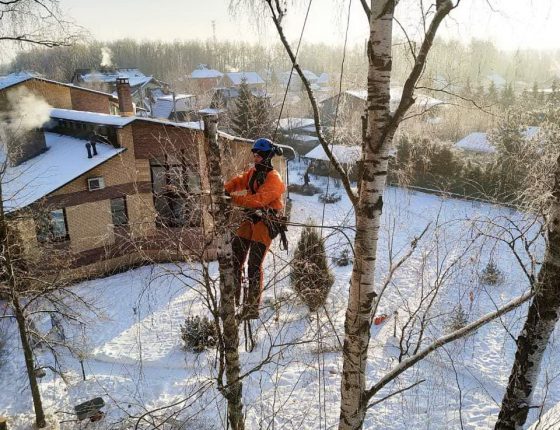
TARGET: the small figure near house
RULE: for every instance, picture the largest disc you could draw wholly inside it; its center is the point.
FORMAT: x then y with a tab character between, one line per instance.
264	188
306	178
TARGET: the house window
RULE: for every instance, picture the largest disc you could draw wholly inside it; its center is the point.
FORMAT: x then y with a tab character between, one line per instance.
53	227
173	181
119	212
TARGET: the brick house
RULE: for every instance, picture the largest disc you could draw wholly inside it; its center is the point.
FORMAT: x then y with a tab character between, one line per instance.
58	94
117	190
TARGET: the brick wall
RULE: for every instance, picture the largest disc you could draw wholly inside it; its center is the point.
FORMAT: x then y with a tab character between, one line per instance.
89	101
57	96
90	225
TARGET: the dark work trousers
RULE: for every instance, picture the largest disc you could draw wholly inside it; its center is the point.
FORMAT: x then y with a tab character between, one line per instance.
256	250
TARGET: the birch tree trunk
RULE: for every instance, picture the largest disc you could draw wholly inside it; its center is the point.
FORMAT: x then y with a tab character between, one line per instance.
380	127
220	207
541	320
368	211
378	131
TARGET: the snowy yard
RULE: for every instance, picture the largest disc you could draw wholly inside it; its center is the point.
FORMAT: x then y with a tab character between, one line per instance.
133	354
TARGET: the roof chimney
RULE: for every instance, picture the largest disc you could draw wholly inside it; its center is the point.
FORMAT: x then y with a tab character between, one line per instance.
125	97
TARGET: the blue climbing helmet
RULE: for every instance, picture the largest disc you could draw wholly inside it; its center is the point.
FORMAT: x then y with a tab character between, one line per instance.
262	145
266	148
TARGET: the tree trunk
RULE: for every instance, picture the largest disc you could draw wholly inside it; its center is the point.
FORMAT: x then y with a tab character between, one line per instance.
233	390
30	367
10	279
375	148
541	319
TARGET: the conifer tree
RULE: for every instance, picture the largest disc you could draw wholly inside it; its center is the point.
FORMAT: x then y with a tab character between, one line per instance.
311	277
251	118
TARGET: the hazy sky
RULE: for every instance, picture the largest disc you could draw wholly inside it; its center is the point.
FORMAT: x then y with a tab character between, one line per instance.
511	24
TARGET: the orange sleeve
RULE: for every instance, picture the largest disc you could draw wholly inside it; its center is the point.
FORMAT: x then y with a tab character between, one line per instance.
271	190
238	183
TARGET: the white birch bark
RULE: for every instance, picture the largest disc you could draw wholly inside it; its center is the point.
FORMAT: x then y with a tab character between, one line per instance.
380	128
219	207
541	320
368	211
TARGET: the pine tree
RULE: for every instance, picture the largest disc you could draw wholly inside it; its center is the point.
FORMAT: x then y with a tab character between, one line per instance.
251	118
311	277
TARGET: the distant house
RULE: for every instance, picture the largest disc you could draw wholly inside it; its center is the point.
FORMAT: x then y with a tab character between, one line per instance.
205	79
351	104
299	133
175	108
252	79
150	96
55	93
105	78
295	83
478	142
347	156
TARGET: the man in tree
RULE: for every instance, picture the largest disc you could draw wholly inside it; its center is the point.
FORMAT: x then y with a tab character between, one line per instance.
263	199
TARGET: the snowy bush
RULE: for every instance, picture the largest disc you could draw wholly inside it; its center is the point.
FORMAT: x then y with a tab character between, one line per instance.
310	276
343	258
491	274
198	333
458	319
329	198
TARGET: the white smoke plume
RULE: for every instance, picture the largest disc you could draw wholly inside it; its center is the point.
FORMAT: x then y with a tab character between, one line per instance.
27	111
106	54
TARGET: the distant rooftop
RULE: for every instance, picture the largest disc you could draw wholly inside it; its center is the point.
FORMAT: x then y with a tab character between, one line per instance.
17	78
110	75
250	78
343	153
202	71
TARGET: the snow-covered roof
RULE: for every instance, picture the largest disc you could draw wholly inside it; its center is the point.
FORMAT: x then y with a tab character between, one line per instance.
288	124
195	125
17	78
250	78
304	138
105	119
135	76
478	142
164	105
211	111
92	117
323	79
65	160
396	94
14	79
344	154
202	72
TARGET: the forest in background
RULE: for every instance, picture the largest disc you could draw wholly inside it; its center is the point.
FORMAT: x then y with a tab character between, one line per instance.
452	63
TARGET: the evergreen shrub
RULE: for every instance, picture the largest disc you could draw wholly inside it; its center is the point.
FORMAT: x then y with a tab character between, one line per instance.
310	275
198	333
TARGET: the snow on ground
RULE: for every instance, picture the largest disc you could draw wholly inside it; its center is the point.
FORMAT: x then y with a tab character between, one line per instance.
133	356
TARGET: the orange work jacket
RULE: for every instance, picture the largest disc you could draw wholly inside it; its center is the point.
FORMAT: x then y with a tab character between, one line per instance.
266	196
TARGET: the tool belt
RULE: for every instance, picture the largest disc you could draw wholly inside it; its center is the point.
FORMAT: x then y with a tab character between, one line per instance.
276	224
